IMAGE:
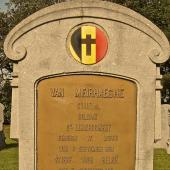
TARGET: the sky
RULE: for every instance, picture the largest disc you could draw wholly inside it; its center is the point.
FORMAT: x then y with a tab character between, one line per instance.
2	5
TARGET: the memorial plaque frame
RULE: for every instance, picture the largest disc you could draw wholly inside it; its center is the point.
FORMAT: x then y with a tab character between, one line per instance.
98	74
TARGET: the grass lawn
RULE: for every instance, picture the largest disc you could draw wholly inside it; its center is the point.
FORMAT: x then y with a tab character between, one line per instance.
161	160
9	156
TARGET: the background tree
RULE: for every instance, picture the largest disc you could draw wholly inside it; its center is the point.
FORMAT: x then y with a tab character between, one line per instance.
5	98
158	11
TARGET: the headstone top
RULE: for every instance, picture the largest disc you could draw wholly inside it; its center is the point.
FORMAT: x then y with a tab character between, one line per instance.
86	9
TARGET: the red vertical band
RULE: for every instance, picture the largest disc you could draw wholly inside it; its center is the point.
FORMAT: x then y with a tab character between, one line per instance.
101	45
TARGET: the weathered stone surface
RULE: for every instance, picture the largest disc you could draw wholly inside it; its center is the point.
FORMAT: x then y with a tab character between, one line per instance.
40	45
1	116
165	141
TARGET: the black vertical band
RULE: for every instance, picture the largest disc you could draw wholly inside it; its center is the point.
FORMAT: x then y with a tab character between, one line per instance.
76	42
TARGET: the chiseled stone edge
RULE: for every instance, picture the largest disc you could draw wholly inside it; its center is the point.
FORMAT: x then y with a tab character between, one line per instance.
81	8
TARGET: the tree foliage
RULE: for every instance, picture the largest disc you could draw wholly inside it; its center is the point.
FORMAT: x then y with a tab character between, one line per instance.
154	10
5	98
165	71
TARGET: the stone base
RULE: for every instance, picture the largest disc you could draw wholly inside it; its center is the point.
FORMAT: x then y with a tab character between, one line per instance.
2	140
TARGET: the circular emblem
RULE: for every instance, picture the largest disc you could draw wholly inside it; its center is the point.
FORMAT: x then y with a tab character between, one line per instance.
88	44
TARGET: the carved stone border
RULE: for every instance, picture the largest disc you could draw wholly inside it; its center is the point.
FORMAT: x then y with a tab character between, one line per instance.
96	74
87	9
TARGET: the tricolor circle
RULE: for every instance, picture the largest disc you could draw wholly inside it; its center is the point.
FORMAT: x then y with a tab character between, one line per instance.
88	44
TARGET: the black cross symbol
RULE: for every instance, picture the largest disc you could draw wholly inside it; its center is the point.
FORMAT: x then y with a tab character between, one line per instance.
88	41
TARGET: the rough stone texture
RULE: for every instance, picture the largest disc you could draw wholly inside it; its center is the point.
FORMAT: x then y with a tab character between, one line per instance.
2	137
39	44
1	116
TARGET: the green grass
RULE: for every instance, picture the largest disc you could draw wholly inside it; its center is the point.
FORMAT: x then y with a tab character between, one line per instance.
161	160
9	156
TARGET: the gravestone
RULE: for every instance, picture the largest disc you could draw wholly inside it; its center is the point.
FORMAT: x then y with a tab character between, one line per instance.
165	142
86	87
2	136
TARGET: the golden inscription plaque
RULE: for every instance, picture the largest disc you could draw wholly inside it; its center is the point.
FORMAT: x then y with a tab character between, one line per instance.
86	122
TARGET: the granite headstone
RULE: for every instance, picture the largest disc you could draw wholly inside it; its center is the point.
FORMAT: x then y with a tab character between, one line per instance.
86	87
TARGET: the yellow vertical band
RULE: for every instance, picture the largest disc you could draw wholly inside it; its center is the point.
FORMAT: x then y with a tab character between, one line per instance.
88	30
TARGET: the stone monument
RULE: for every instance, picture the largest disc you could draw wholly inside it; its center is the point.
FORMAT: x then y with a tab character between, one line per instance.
165	142
2	136
86	87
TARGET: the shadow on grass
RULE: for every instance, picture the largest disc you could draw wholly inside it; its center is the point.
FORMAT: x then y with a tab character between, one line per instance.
11	145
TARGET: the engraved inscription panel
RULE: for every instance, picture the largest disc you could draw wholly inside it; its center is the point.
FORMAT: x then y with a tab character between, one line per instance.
86	122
